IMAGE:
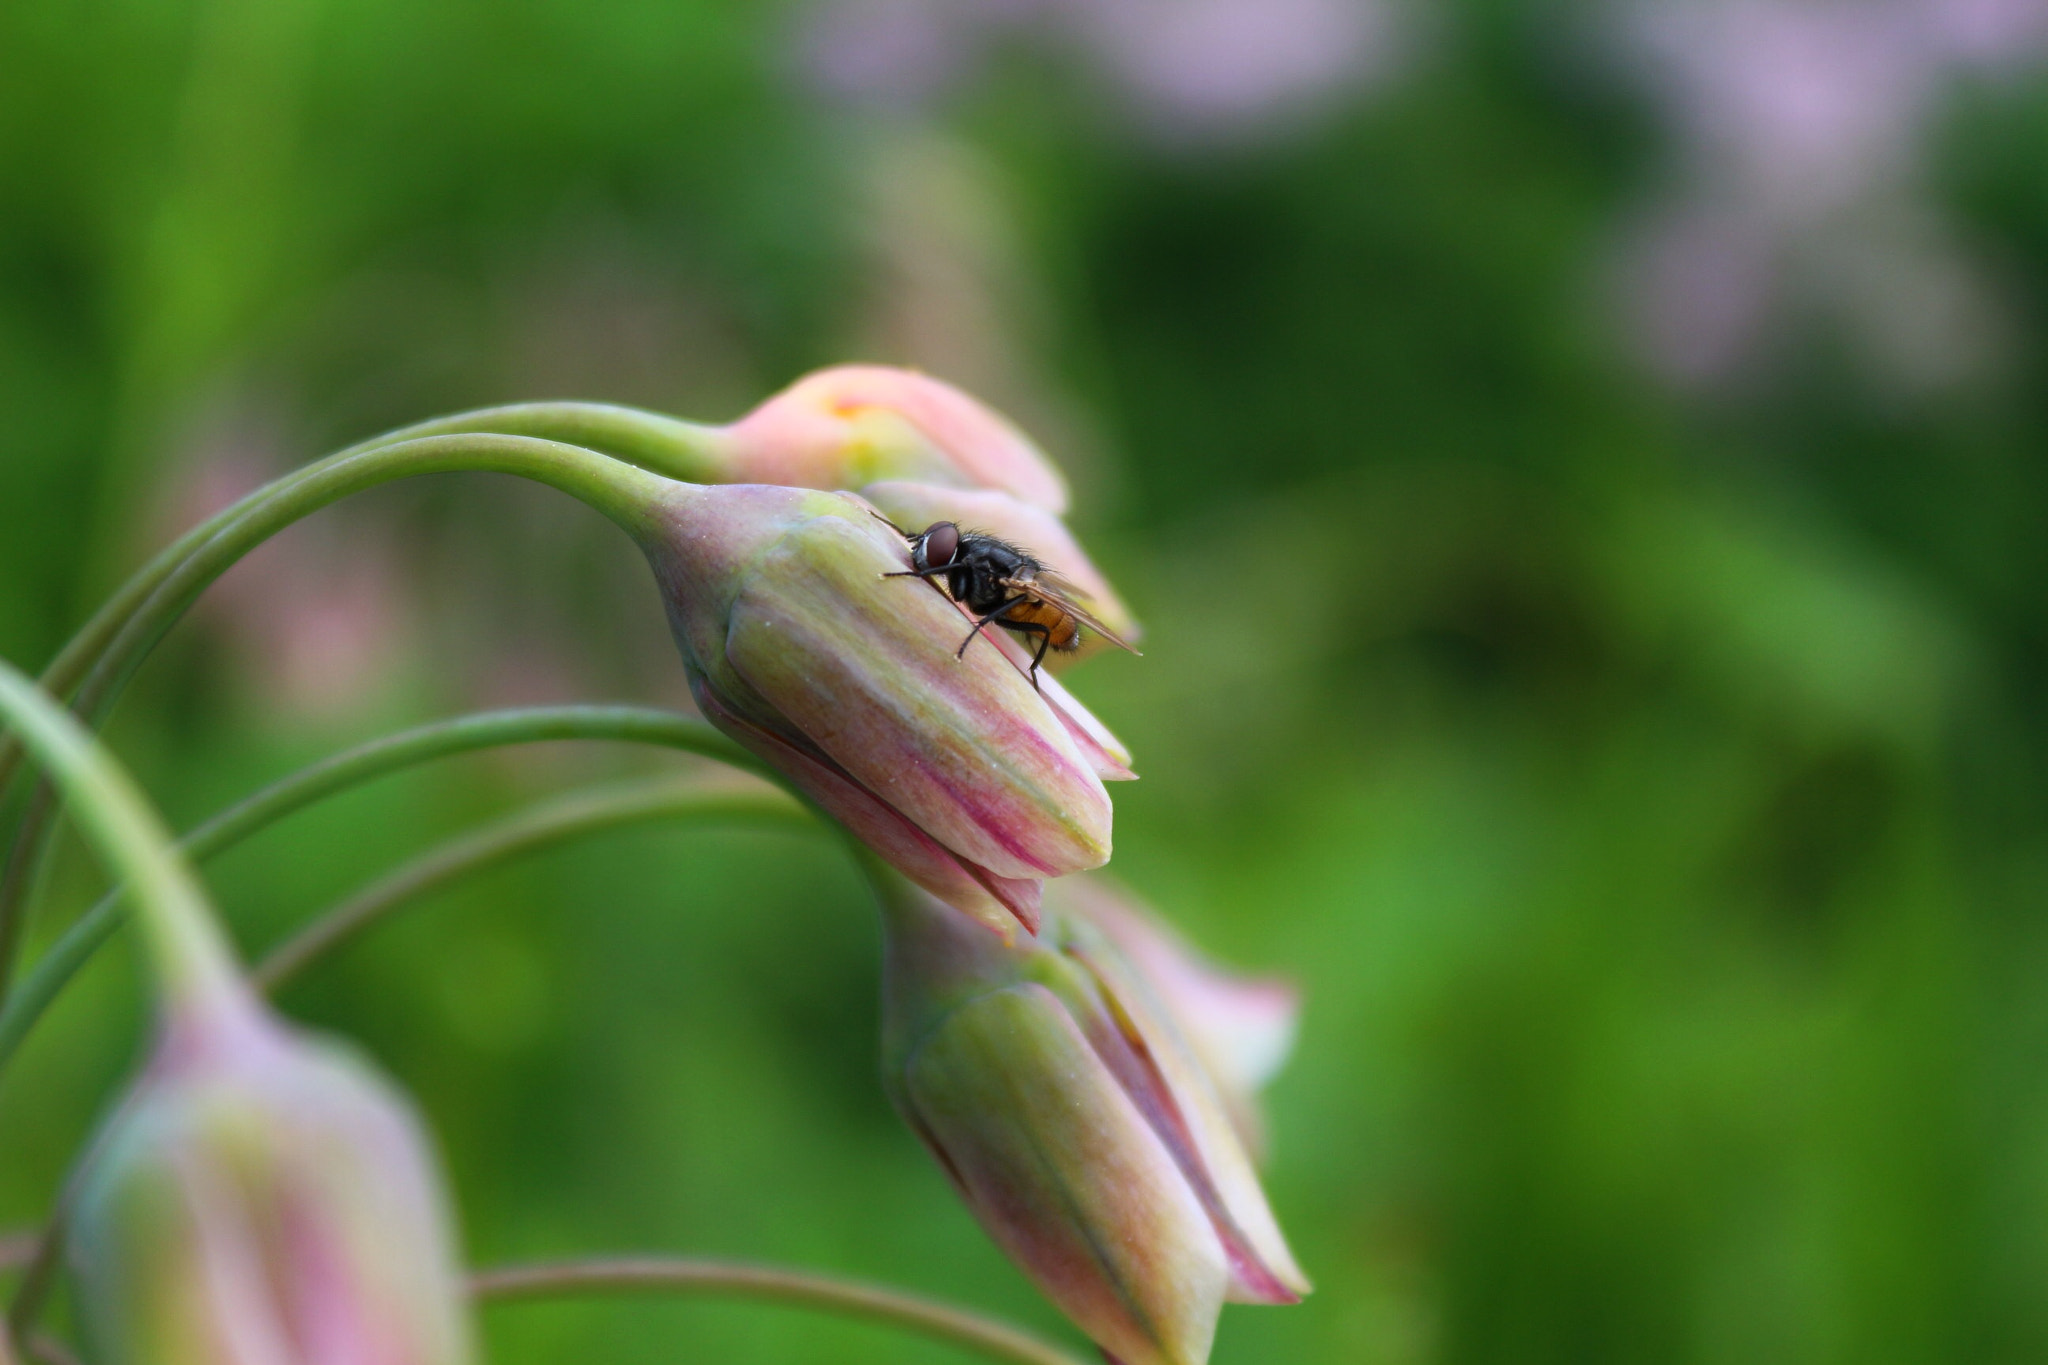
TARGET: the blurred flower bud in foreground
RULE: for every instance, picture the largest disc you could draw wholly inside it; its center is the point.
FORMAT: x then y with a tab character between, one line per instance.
953	769
1081	1126
853	425
258	1198
263	1198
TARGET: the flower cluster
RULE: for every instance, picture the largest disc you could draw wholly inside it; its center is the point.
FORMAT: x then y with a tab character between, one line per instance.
1087	1086
1085	1080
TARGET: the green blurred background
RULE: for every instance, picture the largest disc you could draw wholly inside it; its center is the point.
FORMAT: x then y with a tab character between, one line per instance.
1581	466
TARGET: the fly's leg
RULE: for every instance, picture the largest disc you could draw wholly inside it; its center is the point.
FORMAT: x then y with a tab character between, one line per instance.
995	617
1044	643
930	577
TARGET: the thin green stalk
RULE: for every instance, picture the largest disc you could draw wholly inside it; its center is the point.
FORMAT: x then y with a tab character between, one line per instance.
827	1293
523	831
686	451
623	492
191	955
536	827
54	970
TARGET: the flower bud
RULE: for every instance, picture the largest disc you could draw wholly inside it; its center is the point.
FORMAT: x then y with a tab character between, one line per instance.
856	424
950	765
262	1198
1081	1128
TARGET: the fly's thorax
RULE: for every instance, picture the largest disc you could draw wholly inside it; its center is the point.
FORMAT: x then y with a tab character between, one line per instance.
985	563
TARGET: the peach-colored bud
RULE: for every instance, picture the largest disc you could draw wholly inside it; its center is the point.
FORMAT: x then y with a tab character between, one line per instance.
852	425
949	765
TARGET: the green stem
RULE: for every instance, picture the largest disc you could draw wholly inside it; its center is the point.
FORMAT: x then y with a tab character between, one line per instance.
623	492
677	1275
192	956
658	444
535	827
685	451
55	969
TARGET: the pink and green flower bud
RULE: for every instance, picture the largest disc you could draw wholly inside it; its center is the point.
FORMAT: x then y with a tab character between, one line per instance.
1081	1128
262	1198
853	425
258	1198
951	766
915	506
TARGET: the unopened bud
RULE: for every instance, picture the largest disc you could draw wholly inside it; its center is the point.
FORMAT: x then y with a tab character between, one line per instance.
262	1198
853	425
948	763
1081	1128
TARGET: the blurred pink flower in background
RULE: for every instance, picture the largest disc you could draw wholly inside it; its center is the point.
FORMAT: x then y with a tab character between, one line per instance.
1798	187
314	619
1190	67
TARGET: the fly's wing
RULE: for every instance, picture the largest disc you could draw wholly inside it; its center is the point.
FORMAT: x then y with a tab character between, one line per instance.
1060	590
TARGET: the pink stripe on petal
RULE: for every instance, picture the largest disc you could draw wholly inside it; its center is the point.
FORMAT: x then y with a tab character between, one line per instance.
1111	760
1128	1053
999	903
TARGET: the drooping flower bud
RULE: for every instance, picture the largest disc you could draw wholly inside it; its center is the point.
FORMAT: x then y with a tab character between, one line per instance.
263	1198
258	1198
948	764
852	425
1081	1128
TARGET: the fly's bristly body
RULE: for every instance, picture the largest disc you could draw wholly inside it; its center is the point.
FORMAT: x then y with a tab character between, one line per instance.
1003	585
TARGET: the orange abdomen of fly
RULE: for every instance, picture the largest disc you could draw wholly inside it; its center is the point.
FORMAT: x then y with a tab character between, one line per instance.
1062	630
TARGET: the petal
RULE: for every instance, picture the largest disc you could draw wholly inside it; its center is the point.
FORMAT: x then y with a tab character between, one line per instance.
1108	754
853	424
999	903
1243	1026
1184	1104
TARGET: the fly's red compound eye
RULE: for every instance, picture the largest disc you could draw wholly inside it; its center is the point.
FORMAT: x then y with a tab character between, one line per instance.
941	543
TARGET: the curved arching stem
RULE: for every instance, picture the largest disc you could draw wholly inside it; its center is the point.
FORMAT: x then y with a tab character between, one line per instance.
54	970
523	831
827	1293
648	440
163	592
